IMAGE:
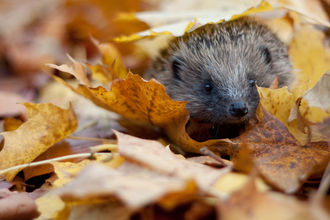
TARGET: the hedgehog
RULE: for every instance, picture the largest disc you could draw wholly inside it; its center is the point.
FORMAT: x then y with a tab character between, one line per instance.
217	67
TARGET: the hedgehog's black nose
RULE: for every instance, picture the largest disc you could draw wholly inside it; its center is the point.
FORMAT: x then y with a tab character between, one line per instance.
238	109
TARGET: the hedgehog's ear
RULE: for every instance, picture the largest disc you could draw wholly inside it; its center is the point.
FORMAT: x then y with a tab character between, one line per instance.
176	67
265	53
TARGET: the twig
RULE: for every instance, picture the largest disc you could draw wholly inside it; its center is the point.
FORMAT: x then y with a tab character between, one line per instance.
50	160
205	151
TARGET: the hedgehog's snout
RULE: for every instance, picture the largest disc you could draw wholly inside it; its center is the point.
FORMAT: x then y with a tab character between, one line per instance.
238	109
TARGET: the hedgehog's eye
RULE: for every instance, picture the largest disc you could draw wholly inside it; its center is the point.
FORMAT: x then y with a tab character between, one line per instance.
265	54
208	87
252	82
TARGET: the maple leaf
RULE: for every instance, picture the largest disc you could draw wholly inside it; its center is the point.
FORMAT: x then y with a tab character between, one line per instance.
47	125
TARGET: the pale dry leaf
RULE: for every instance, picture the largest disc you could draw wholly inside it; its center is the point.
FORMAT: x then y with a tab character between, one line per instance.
248	203
99	181
153	155
181	21
77	70
319	95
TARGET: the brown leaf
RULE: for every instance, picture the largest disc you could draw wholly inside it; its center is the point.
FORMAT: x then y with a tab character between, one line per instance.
153	155
99	181
274	84
248	203
279	157
77	70
145	104
18	206
47	125
149	174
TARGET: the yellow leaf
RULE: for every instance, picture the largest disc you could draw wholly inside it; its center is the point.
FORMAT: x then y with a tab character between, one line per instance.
109	54
231	182
263	7
47	125
309	55
49	205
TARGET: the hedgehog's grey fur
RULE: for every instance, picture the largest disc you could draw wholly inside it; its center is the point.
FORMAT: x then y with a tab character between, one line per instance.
227	56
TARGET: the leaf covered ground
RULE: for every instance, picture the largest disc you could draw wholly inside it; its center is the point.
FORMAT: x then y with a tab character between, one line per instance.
84	136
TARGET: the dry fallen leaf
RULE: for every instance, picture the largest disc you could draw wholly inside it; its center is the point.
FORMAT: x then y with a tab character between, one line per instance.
18	206
248	203
279	157
61	148
279	103
47	125
309	55
319	95
184	21
152	154
77	70
98	181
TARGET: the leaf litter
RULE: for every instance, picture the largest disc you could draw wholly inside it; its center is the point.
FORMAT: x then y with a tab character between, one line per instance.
273	153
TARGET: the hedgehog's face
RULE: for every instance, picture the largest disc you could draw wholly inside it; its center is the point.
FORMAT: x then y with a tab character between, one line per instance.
220	90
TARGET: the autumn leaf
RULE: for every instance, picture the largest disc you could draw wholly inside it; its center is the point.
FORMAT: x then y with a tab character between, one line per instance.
77	70
312	108
319	95
155	156
309	55
279	156
18	206
185	23
90	183
59	149
47	125
248	203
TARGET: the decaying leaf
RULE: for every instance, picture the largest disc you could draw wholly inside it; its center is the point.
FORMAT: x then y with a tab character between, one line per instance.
279	156
47	125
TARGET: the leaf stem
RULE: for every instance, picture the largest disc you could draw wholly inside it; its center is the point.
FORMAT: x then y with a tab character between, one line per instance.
48	161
